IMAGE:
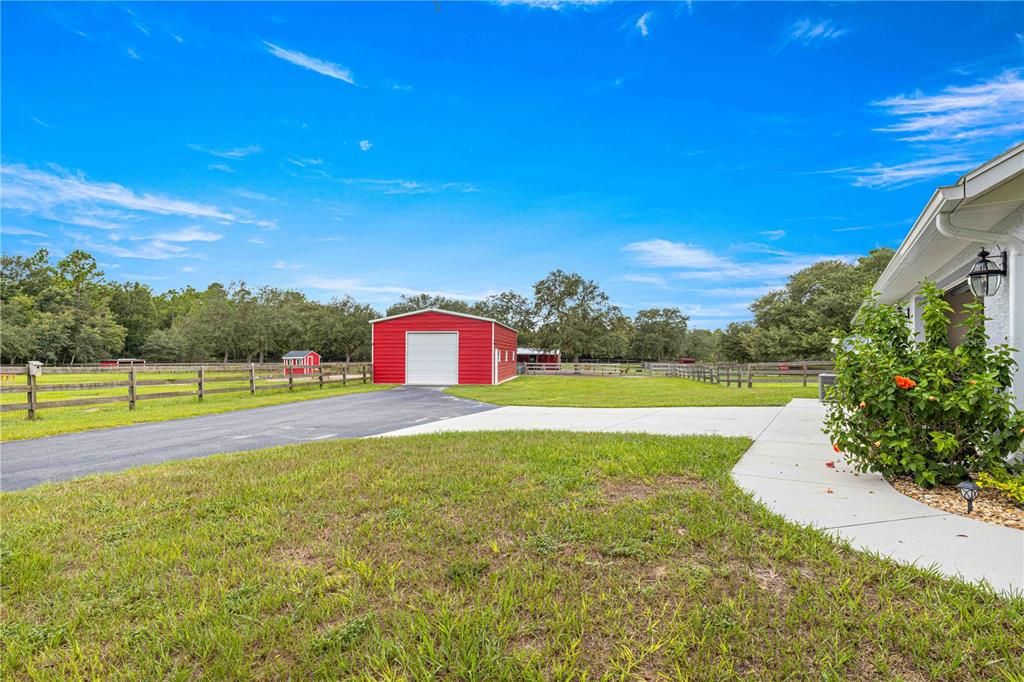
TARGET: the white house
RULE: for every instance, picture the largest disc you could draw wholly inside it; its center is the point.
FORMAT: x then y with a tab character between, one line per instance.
984	210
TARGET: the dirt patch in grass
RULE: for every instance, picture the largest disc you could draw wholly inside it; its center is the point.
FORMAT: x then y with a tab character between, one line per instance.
991	506
628	489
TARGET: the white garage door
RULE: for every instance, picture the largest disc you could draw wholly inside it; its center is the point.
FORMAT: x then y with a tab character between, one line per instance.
432	358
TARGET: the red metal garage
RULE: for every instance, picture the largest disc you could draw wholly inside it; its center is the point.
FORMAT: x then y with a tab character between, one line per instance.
439	347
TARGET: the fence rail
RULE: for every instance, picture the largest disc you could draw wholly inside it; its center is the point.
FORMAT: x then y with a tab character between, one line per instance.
22	389
730	374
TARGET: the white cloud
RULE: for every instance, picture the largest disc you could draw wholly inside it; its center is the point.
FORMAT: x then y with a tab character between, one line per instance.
132	54
324	68
556	5
229	153
222	167
256	239
41	122
70	197
641	23
694	263
661	253
773	235
810	32
653	280
154	249
365	145
188	234
20	232
188	268
357	286
902	174
399	186
283	265
306	163
254	196
988	109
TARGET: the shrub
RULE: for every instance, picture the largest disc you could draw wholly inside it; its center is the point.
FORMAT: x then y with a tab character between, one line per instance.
1010	484
919	408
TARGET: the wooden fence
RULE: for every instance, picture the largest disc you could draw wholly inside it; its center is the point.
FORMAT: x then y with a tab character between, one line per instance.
730	374
201	380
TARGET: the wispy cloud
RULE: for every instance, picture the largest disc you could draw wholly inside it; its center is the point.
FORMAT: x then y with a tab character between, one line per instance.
188	234
812	32
641	24
556	5
72	198
256	239
653	280
131	53
324	68
40	122
902	174
695	263
773	235
20	232
149	249
222	167
399	186
365	145
353	285
228	153
306	163
988	109
254	196
283	265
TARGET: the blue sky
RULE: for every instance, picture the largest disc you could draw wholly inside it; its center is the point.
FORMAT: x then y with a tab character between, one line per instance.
690	155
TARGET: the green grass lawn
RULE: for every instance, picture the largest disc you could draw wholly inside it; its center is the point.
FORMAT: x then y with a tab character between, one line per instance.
578	391
510	555
53	421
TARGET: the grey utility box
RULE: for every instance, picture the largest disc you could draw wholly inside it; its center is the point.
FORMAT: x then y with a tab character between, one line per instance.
824	381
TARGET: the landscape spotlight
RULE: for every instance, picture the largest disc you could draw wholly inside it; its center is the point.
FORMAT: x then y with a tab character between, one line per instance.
969	491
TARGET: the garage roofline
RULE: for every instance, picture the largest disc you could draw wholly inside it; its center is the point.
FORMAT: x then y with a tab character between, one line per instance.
445	312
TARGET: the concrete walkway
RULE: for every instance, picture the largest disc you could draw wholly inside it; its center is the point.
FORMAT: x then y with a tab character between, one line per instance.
670	421
785	469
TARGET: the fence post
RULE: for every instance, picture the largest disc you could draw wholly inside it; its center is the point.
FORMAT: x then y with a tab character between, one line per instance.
750	376
321	368
31	395
344	374
201	386
252	379
291	379
364	374
805	374
131	387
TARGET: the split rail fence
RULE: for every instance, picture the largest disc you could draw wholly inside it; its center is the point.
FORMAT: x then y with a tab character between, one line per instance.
739	375
21	388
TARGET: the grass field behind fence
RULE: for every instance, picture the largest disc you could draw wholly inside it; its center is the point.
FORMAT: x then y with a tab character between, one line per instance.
490	556
595	391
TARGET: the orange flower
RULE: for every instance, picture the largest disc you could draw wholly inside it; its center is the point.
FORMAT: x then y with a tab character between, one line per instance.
863	404
878	443
835	447
904	382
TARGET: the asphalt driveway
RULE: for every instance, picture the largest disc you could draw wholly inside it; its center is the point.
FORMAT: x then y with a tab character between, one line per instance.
57	458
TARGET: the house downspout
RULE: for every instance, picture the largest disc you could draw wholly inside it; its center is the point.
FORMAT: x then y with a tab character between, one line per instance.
1014	284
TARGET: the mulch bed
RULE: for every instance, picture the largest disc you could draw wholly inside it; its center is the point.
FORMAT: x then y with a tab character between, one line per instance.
991	505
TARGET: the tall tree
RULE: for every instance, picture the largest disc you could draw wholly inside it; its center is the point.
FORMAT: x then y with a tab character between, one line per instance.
509	308
573	314
659	334
132	306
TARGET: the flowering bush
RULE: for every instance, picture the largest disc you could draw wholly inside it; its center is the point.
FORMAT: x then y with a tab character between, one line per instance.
920	408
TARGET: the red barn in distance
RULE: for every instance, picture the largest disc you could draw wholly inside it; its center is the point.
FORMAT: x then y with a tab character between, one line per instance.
435	347
300	362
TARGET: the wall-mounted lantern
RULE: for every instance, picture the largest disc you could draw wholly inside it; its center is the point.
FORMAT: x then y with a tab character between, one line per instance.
985	277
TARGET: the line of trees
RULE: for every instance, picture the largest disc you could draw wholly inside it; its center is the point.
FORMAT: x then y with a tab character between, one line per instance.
67	312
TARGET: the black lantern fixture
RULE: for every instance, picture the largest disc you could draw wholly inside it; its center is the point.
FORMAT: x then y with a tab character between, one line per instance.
969	491
985	277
